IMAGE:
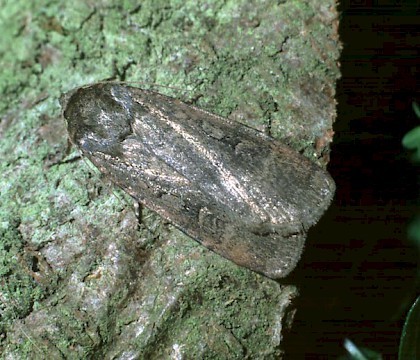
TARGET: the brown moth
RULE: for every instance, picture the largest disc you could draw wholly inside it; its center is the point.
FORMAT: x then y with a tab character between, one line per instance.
235	190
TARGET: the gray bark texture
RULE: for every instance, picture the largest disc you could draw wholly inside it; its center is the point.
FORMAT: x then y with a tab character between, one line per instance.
81	276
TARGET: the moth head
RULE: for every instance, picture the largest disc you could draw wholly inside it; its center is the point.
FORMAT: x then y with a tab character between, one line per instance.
98	117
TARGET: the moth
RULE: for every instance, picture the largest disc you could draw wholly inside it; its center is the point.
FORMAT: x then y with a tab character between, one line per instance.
235	190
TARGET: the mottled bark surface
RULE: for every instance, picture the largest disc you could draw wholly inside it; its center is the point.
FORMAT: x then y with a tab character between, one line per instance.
81	276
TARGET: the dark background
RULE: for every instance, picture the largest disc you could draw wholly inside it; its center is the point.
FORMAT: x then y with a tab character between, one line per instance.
358	274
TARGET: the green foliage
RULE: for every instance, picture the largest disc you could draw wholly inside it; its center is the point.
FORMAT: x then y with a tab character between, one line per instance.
411	140
410	338
358	353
